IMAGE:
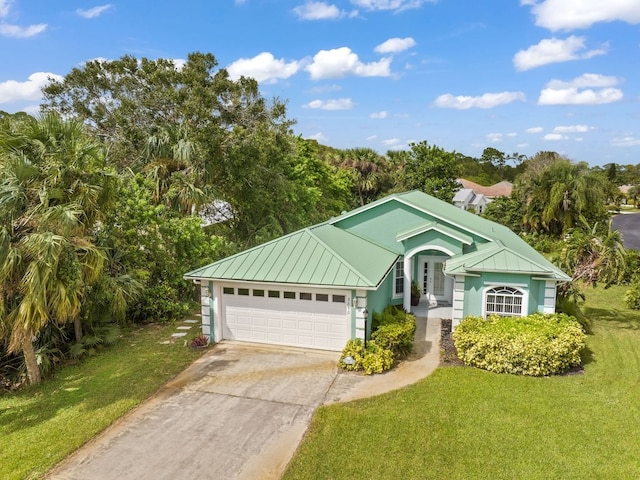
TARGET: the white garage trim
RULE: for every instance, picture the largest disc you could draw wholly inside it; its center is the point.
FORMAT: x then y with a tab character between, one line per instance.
285	315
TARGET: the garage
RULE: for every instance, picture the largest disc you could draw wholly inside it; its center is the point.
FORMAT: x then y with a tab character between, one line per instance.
318	319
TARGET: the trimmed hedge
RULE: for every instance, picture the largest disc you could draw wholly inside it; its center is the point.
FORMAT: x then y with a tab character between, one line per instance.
373	359
536	345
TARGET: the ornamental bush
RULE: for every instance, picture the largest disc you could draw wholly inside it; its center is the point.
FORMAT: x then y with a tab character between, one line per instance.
373	359
395	331
536	345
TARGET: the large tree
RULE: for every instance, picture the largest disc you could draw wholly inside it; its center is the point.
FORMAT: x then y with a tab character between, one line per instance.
199	135
556	193
433	170
53	186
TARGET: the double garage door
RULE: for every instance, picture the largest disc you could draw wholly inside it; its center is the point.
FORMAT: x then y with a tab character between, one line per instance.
309	319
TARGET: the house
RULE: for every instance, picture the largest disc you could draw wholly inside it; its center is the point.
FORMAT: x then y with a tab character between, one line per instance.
318	287
467	199
476	197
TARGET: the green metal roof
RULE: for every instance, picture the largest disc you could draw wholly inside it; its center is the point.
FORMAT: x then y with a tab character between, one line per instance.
322	256
450	232
496	257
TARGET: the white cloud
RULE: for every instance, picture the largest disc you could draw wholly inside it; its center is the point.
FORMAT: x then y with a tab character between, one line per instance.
534	130
586	80
12	91
577	91
572	129
93	12
575	14
627	141
554	50
488	100
494	137
16	31
4	7
371	138
554	137
335	104
395	45
263	67
340	62
390	142
397	5
317	11
319	137
379	115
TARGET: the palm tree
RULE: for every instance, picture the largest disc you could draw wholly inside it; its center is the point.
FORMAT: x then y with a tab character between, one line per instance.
53	187
369	170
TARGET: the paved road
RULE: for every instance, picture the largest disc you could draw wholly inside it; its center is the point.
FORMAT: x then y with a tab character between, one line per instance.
629	226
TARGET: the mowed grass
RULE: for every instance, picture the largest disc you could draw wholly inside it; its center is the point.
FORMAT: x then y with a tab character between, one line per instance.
41	425
463	423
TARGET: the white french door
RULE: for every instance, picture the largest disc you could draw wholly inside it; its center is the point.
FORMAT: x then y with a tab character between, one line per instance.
435	286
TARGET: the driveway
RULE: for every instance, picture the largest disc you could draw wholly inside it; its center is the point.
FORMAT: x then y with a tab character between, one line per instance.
238	412
629	226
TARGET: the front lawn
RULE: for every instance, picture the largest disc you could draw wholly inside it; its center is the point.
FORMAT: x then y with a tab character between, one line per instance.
464	423
41	425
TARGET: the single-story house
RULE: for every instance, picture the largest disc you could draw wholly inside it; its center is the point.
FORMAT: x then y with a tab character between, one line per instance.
467	199
318	287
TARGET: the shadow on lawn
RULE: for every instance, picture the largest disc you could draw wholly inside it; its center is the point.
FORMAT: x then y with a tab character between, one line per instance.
622	319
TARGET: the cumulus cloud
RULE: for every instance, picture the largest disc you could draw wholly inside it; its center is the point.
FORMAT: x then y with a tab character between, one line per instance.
587	89
627	141
341	62
263	67
16	31
488	100
534	130
320	137
396	5
572	129
335	104
395	45
554	137
379	115
317	11
93	12
575	14
391	142
554	50
31	89
4	7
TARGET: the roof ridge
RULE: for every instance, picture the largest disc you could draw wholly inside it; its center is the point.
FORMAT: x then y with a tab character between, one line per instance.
502	247
349	266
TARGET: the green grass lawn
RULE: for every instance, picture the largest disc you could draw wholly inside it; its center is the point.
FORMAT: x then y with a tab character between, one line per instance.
463	423
39	426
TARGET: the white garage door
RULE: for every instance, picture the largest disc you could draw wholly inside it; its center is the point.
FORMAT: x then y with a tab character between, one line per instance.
310	319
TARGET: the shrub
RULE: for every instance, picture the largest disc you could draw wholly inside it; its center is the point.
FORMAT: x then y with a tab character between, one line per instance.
632	297
373	359
396	332
536	345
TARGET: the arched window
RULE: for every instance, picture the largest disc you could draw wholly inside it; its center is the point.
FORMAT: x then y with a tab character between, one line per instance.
506	301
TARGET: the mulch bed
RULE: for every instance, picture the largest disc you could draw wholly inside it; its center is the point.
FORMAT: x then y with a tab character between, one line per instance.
448	352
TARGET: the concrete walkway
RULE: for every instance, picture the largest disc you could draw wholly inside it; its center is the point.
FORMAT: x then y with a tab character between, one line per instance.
239	412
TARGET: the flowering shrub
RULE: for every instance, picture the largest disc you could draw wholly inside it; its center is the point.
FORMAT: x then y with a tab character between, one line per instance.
395	331
536	345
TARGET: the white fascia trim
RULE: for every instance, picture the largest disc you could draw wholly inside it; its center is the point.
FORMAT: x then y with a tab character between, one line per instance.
292	285
431	226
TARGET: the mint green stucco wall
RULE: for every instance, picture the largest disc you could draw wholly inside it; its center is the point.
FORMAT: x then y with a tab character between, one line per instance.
475	286
436	239
377	300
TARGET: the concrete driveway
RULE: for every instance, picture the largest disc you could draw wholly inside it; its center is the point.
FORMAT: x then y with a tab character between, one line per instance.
238	412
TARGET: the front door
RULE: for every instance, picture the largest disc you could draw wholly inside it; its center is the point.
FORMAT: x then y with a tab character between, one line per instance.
435	286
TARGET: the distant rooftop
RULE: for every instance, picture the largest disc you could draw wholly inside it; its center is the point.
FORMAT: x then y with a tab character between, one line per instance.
502	189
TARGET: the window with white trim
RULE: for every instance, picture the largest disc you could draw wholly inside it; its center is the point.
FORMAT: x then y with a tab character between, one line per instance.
398	278
505	301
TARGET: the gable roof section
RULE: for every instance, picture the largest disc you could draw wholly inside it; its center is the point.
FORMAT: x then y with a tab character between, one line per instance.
496	257
322	256
449	232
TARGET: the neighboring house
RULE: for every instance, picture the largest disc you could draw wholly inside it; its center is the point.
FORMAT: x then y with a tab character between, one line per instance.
478	196
318	287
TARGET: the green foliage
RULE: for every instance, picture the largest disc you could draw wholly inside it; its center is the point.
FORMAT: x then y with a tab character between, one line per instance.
432	170
394	331
507	211
536	345
372	359
632	297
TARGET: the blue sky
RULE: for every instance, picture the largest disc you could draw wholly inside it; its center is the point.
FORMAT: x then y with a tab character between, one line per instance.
520	76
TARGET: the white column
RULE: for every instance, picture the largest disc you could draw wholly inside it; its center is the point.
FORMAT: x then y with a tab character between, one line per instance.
408	271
